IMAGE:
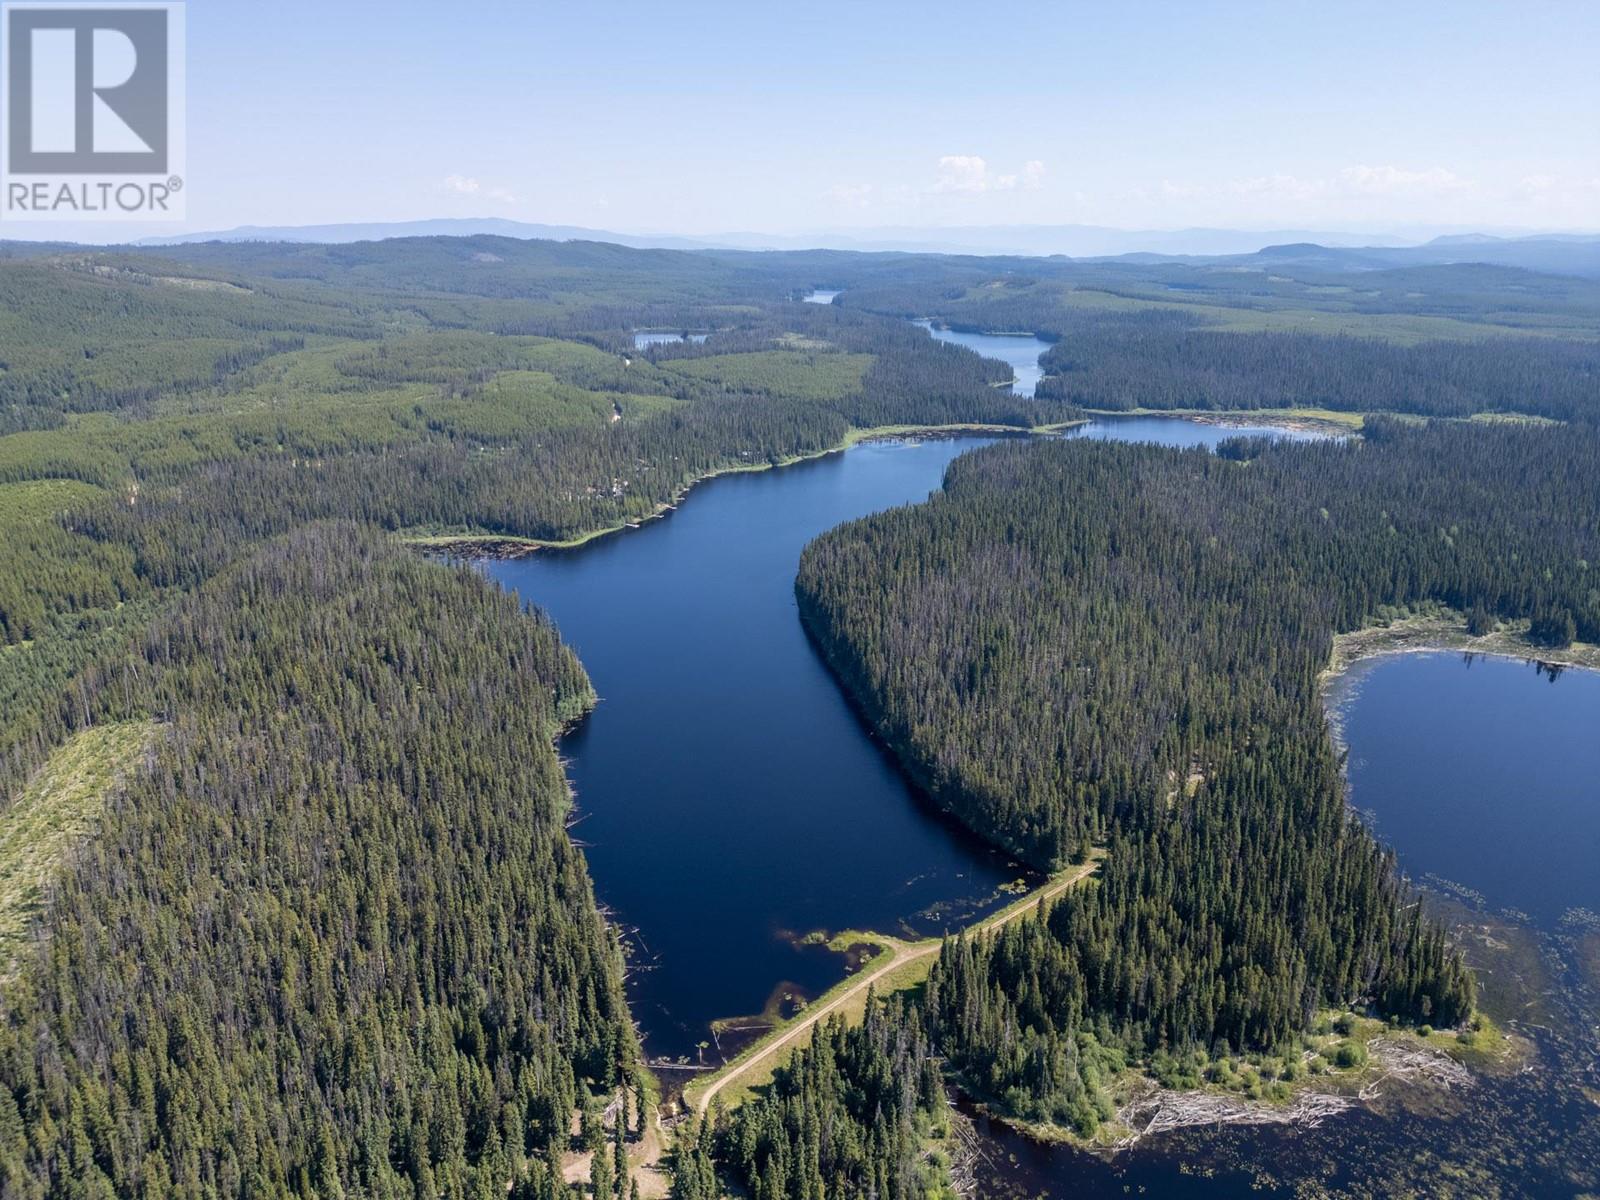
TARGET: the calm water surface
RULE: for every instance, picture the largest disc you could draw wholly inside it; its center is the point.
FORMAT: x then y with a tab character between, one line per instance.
1484	772
1020	353
643	339
730	801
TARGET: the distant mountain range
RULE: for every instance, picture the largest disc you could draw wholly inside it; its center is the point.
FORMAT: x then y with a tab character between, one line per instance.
443	227
1574	254
1556	254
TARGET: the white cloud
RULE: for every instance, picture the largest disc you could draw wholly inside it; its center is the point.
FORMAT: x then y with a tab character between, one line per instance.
970	173
465	185
1350	183
1562	199
962	173
1397	181
1285	187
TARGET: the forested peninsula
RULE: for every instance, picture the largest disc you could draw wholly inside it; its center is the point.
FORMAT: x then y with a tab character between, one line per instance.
1083	642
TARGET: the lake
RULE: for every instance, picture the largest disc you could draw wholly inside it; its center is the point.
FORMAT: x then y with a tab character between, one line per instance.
820	296
643	339
1483	772
1185	434
730	802
1020	352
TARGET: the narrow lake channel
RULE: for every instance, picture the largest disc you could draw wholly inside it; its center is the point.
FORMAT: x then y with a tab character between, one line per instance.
731	803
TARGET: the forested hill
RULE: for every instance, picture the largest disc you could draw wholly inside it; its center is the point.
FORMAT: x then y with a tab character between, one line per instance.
333	939
1085	641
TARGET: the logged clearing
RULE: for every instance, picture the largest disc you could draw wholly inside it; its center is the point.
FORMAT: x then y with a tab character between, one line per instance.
57	809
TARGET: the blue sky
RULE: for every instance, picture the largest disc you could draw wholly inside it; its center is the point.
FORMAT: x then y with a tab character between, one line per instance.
699	117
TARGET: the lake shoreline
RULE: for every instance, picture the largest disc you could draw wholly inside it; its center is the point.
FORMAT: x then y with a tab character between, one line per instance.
506	546
1423	1064
510	546
1447	631
1300	420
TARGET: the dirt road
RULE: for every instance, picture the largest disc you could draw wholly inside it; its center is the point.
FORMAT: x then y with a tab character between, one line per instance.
700	1095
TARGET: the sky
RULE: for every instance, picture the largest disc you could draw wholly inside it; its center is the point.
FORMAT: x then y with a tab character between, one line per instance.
698	118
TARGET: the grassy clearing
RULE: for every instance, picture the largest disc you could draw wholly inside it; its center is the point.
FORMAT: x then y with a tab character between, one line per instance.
1321	313
799	373
1512	418
39	500
51	815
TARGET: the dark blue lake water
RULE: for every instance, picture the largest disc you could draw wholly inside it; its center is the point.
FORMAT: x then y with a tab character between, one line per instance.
730	801
1481	771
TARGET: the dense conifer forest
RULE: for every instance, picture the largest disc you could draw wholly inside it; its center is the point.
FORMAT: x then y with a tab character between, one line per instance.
849	1116
1141	630
1439	341
329	936
333	938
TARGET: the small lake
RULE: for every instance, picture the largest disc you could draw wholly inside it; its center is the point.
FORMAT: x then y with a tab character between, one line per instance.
1020	352
1483	772
820	296
1185	434
643	339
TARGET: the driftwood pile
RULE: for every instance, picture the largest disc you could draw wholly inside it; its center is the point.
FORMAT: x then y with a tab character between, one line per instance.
1162	1111
1410	1063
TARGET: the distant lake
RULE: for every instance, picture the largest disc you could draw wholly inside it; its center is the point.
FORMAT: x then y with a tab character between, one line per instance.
1184	433
820	296
1020	352
643	339
1482	771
